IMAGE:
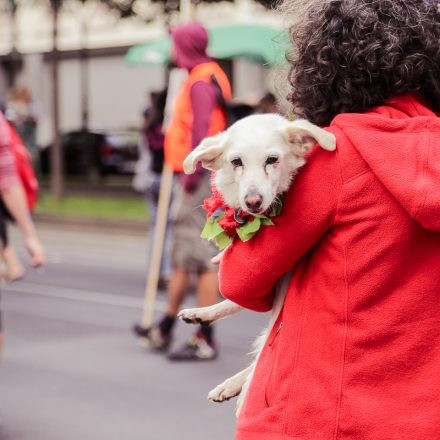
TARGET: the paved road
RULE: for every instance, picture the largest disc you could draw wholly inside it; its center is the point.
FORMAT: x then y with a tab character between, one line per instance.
71	368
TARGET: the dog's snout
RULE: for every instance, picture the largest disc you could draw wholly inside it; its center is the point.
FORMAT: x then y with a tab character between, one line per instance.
254	202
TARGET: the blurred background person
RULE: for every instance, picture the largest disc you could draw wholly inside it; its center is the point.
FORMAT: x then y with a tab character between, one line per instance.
267	104
198	113
22	113
13	267
148	175
14	200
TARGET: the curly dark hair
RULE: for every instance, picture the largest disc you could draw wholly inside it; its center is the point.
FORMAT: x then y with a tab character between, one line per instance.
351	55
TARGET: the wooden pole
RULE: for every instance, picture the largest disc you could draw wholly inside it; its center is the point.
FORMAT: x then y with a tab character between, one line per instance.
176	79
56	154
175	82
84	70
166	184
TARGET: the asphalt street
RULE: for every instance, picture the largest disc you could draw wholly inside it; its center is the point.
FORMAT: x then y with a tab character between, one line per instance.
72	369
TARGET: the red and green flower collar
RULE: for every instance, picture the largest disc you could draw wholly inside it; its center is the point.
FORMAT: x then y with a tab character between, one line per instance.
224	224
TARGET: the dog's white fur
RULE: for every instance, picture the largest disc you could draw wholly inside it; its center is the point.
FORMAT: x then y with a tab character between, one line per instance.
253	140
256	157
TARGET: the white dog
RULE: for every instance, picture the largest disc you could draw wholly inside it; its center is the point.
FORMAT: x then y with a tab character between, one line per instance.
254	162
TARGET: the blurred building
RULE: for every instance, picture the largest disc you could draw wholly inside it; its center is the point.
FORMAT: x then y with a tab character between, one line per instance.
116	91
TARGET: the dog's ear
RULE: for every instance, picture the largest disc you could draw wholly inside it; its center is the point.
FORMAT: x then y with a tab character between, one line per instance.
207	152
302	135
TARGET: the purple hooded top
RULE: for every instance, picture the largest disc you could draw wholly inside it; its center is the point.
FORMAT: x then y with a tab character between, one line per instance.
190	42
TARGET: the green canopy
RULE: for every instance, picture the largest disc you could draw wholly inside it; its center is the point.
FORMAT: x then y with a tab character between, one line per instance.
261	44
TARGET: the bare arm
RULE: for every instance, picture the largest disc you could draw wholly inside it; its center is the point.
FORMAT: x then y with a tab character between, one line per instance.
15	202
12	194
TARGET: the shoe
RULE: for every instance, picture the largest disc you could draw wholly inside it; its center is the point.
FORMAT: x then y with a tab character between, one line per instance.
162	284
153	337
195	349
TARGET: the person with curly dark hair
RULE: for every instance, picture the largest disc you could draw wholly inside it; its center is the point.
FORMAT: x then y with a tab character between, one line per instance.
355	352
363	53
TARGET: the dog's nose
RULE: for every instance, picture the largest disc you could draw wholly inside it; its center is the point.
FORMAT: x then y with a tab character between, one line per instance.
254	202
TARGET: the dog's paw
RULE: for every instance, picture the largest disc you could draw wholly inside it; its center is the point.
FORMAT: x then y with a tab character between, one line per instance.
195	316
223	392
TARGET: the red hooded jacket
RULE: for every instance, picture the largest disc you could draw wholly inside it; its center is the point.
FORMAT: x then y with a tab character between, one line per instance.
358	353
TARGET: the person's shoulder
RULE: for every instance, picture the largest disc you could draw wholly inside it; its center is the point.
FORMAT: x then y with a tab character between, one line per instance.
349	161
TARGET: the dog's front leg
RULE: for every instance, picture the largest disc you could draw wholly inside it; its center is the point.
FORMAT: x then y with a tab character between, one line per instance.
244	388
207	315
230	387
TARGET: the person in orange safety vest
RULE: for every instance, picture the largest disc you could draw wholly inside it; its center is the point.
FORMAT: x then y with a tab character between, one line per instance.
197	113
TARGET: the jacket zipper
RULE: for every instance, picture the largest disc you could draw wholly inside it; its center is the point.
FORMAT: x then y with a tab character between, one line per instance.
271	342
276	334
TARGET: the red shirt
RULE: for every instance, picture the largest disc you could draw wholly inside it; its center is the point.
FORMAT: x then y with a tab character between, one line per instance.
8	169
358	355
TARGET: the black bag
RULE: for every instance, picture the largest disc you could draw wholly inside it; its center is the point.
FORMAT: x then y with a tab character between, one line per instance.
234	110
3	232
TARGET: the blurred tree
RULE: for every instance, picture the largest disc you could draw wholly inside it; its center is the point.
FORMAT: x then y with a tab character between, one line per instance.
56	153
170	6
124	9
13	61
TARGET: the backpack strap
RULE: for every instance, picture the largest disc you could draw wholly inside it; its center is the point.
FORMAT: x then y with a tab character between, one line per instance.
220	96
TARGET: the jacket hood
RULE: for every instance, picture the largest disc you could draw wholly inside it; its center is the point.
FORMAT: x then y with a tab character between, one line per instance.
400	142
190	42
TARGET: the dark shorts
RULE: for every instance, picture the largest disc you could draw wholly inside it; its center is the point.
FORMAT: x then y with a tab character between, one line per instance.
4	215
189	251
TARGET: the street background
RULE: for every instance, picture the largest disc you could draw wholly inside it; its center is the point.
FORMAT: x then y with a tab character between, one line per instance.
76	81
72	368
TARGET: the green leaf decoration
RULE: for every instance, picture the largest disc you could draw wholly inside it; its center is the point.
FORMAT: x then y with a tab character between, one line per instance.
275	210
211	230
249	229
222	240
266	221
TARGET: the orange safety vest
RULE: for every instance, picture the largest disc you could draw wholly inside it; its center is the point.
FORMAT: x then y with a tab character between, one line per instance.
179	133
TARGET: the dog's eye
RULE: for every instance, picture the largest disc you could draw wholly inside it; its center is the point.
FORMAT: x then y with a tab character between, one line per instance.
271	160
237	162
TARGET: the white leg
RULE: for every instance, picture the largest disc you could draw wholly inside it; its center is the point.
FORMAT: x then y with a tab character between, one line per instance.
238	385
230	387
207	315
244	389
282	287
258	346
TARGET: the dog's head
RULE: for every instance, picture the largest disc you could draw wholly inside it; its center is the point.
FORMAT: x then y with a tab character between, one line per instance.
256	158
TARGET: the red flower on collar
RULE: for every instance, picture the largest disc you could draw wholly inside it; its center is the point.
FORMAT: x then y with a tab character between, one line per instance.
224	224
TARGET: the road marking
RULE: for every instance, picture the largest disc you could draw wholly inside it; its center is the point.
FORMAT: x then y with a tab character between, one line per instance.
81	295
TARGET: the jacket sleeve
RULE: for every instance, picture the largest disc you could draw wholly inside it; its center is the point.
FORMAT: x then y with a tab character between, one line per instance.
249	271
203	101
